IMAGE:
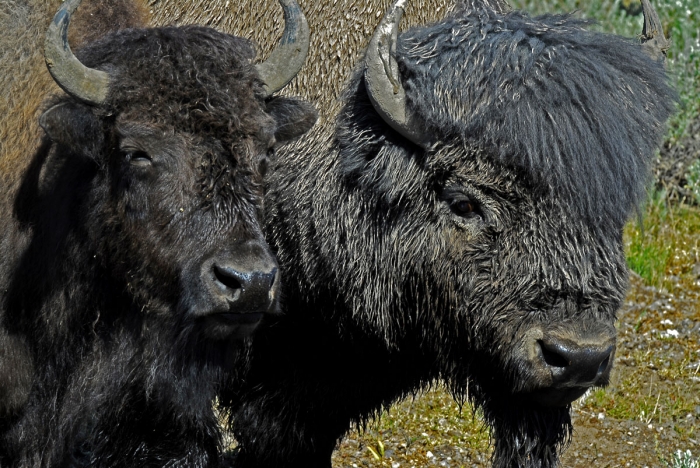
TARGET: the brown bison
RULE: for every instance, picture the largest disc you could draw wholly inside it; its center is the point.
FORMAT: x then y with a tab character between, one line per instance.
461	220
133	266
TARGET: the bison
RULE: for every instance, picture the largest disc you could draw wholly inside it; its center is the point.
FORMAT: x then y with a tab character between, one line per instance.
133	267
460	221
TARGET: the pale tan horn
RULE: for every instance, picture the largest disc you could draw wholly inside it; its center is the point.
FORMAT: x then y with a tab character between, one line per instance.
86	84
383	81
289	56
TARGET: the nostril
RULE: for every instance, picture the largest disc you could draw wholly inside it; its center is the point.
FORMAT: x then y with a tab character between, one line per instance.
227	278
551	357
274	278
603	365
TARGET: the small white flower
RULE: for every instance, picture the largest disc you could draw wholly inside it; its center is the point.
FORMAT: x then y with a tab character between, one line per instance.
429	454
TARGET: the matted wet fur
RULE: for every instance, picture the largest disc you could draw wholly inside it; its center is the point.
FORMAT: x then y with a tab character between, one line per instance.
405	265
103	230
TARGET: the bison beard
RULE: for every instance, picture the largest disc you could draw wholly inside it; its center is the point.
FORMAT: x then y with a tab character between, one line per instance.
473	259
133	266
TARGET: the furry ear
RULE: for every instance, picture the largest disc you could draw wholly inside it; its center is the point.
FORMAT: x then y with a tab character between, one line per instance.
294	117
73	125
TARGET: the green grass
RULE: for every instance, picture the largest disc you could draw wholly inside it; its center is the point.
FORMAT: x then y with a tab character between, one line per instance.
416	426
649	241
683	460
654	391
693	181
662	246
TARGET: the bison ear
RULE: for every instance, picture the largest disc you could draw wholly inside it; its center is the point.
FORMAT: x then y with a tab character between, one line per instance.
294	117
73	125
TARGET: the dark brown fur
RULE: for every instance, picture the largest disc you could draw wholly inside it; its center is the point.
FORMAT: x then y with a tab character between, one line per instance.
107	222
25	84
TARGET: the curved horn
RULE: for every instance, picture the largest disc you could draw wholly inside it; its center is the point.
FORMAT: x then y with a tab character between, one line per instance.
286	60
76	79
654	42
382	77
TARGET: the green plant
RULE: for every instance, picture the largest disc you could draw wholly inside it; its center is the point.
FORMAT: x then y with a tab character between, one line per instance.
693	180
682	459
646	248
377	451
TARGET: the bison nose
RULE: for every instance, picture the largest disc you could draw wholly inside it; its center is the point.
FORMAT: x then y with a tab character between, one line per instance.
246	290
574	364
560	363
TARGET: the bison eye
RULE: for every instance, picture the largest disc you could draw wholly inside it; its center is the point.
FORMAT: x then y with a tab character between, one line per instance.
265	162
465	208
138	158
262	167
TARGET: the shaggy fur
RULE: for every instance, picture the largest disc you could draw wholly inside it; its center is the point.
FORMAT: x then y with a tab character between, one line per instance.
389	285
100	245
519	66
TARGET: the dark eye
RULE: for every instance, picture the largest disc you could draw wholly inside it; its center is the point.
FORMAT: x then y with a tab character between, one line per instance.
465	208
265	162
262	167
138	158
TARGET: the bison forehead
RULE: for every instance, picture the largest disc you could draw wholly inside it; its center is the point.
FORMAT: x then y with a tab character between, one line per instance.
578	110
191	78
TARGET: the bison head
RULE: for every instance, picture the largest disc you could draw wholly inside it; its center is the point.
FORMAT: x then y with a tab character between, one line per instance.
492	163
160	148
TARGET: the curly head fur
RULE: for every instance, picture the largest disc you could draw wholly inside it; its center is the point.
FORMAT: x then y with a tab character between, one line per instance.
205	78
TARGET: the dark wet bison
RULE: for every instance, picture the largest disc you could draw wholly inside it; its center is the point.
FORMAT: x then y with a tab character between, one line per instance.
461	221
133	266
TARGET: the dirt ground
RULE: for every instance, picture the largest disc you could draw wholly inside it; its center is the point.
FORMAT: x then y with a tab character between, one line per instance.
650	410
